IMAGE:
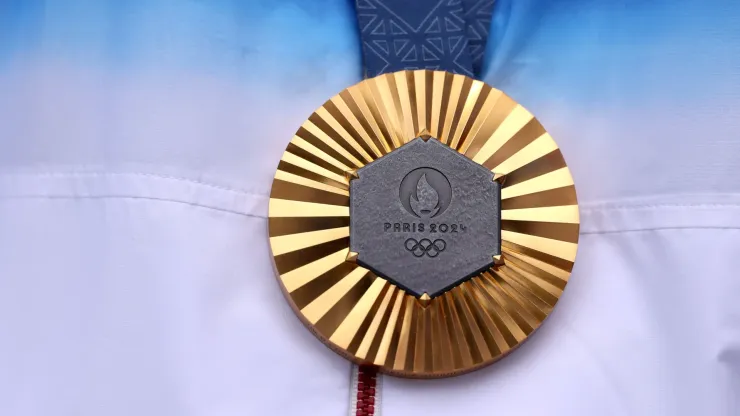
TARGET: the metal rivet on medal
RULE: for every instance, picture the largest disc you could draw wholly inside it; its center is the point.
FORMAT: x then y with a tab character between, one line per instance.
424	300
351	257
498	260
427	237
424	135
351	174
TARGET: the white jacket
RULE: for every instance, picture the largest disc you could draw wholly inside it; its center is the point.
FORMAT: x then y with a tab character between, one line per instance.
138	141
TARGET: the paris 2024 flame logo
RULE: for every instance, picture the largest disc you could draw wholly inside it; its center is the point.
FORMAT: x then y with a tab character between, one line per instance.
425	193
427	203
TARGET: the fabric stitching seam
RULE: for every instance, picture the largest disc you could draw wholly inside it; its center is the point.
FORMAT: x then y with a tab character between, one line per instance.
135	174
146	198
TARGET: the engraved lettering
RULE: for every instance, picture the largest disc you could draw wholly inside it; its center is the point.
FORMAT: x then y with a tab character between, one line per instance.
420	227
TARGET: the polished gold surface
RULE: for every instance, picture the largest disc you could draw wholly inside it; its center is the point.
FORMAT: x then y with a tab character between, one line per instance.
368	319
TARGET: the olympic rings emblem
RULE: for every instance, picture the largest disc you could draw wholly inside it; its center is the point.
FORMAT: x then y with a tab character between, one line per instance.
425	246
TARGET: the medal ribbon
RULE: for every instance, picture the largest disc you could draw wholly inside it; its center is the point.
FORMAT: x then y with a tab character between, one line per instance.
446	35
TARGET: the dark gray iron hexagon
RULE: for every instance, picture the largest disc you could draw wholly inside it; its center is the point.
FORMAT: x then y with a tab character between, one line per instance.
425	217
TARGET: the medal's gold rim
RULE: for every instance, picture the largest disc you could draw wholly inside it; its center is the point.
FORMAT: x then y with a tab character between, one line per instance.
366	318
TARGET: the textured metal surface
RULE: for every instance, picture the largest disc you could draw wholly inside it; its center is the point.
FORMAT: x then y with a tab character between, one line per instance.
425	217
368	319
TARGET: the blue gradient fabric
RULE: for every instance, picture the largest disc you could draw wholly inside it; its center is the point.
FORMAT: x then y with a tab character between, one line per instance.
138	141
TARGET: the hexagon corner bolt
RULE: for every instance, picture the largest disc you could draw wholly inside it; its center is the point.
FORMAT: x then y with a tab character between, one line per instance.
424	134
351	257
351	175
424	300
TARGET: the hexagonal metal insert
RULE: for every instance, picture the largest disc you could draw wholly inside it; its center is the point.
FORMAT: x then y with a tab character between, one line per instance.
425	217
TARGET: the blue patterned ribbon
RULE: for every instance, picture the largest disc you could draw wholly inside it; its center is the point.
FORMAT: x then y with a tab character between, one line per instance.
448	35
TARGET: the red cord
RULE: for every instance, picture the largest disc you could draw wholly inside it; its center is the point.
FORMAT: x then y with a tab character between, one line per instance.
367	381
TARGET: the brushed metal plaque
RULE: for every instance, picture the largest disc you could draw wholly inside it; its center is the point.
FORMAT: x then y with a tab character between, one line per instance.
425	217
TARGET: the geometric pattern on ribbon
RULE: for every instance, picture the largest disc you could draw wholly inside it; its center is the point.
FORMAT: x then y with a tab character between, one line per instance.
448	35
419	34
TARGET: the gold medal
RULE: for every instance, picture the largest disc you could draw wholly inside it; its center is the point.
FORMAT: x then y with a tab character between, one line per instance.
423	222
